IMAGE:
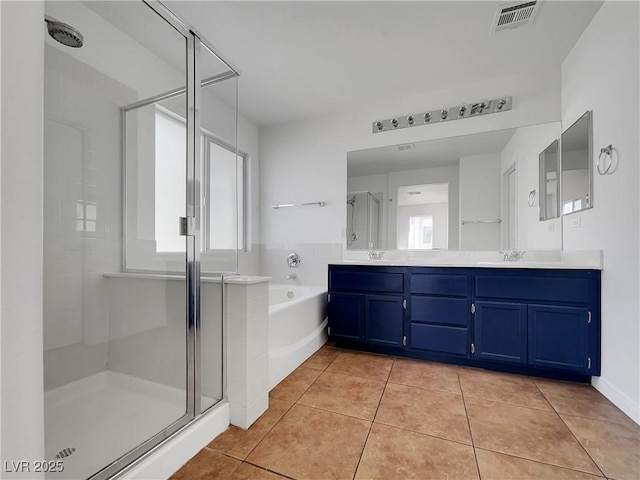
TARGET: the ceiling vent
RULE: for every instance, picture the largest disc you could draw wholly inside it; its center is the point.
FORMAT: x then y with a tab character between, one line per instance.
514	15
406	146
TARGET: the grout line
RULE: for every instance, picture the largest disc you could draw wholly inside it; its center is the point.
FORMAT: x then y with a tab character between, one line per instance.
538	461
268	470
364	445
466	412
570	431
580	443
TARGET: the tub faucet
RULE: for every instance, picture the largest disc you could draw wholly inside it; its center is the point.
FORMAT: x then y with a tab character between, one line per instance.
291	276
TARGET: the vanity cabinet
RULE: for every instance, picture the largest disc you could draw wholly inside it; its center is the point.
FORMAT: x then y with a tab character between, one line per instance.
542	318
367	305
500	331
439	310
532	321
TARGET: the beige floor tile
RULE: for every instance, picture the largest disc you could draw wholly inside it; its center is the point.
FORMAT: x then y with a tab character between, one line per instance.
525	432
311	443
207	465
238	442
292	387
614	447
376	367
497	466
322	358
392	453
429	375
501	387
431	412
249	472
355	396
581	400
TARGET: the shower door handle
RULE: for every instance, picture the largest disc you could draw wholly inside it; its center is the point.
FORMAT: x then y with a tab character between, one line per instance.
186	226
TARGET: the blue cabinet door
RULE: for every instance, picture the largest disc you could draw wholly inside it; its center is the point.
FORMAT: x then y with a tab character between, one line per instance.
559	337
500	331
384	319
346	316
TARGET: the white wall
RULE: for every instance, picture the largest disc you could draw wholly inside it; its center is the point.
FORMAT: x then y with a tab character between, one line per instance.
523	150
601	74
480	196
305	161
22	434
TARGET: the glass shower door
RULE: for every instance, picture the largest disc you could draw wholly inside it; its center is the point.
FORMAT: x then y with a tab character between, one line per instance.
119	313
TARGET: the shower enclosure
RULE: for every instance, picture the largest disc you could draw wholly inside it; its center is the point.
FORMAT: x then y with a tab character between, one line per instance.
363	220
142	189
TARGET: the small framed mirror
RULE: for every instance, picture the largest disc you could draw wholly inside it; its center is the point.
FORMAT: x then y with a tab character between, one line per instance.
577	170
549	196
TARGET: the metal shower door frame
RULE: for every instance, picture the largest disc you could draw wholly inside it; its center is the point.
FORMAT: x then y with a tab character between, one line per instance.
193	240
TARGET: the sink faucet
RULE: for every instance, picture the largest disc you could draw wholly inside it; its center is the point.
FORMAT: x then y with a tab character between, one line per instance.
512	256
373	255
291	276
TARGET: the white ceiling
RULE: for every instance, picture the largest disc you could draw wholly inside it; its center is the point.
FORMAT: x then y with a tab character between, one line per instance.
307	58
430	153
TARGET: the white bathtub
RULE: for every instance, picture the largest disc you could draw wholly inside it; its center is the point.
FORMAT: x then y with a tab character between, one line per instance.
297	327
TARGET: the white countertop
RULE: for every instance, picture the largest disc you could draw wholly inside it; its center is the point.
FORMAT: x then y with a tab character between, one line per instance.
551	259
230	279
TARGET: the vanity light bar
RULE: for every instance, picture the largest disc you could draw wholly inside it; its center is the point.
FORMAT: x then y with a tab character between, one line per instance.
482	107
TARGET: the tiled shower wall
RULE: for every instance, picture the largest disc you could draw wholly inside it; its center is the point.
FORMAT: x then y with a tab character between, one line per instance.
82	213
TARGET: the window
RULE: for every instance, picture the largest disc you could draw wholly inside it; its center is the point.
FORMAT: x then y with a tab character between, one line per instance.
170	195
224	197
223	189
421	233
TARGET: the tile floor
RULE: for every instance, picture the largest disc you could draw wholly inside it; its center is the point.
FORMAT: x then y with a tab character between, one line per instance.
349	415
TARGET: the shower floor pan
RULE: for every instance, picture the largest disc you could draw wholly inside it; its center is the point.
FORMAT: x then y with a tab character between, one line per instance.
103	417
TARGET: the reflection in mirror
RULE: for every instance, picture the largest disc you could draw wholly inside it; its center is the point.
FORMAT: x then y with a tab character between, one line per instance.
484	210
577	174
423	216
363	220
549	184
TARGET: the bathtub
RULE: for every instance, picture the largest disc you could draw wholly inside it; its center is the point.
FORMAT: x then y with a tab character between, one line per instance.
297	327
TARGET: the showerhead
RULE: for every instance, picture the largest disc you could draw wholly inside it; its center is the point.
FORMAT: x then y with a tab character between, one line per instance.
63	33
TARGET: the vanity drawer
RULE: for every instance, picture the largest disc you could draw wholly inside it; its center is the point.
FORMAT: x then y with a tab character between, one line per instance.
366	281
450	311
531	286
440	338
440	284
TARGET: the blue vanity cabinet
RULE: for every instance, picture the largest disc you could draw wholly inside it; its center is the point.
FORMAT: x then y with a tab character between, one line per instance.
366	304
547	319
523	320
500	331
346	316
559	337
439	310
384	320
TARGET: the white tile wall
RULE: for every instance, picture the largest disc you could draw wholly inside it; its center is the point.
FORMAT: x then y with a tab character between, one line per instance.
247	352
311	271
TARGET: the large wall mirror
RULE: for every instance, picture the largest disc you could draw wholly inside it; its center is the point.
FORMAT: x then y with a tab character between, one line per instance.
460	193
577	171
549	191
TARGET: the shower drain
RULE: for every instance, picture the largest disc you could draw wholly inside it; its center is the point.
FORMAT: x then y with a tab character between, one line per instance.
65	452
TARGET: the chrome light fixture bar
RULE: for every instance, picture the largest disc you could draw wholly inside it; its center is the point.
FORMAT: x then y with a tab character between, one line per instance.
467	110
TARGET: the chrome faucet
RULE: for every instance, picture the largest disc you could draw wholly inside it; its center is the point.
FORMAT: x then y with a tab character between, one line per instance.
291	276
376	255
512	256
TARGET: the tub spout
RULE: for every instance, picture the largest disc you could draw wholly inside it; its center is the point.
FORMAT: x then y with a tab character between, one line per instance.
291	276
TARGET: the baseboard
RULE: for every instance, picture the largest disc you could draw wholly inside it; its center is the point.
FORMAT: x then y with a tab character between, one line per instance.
618	398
